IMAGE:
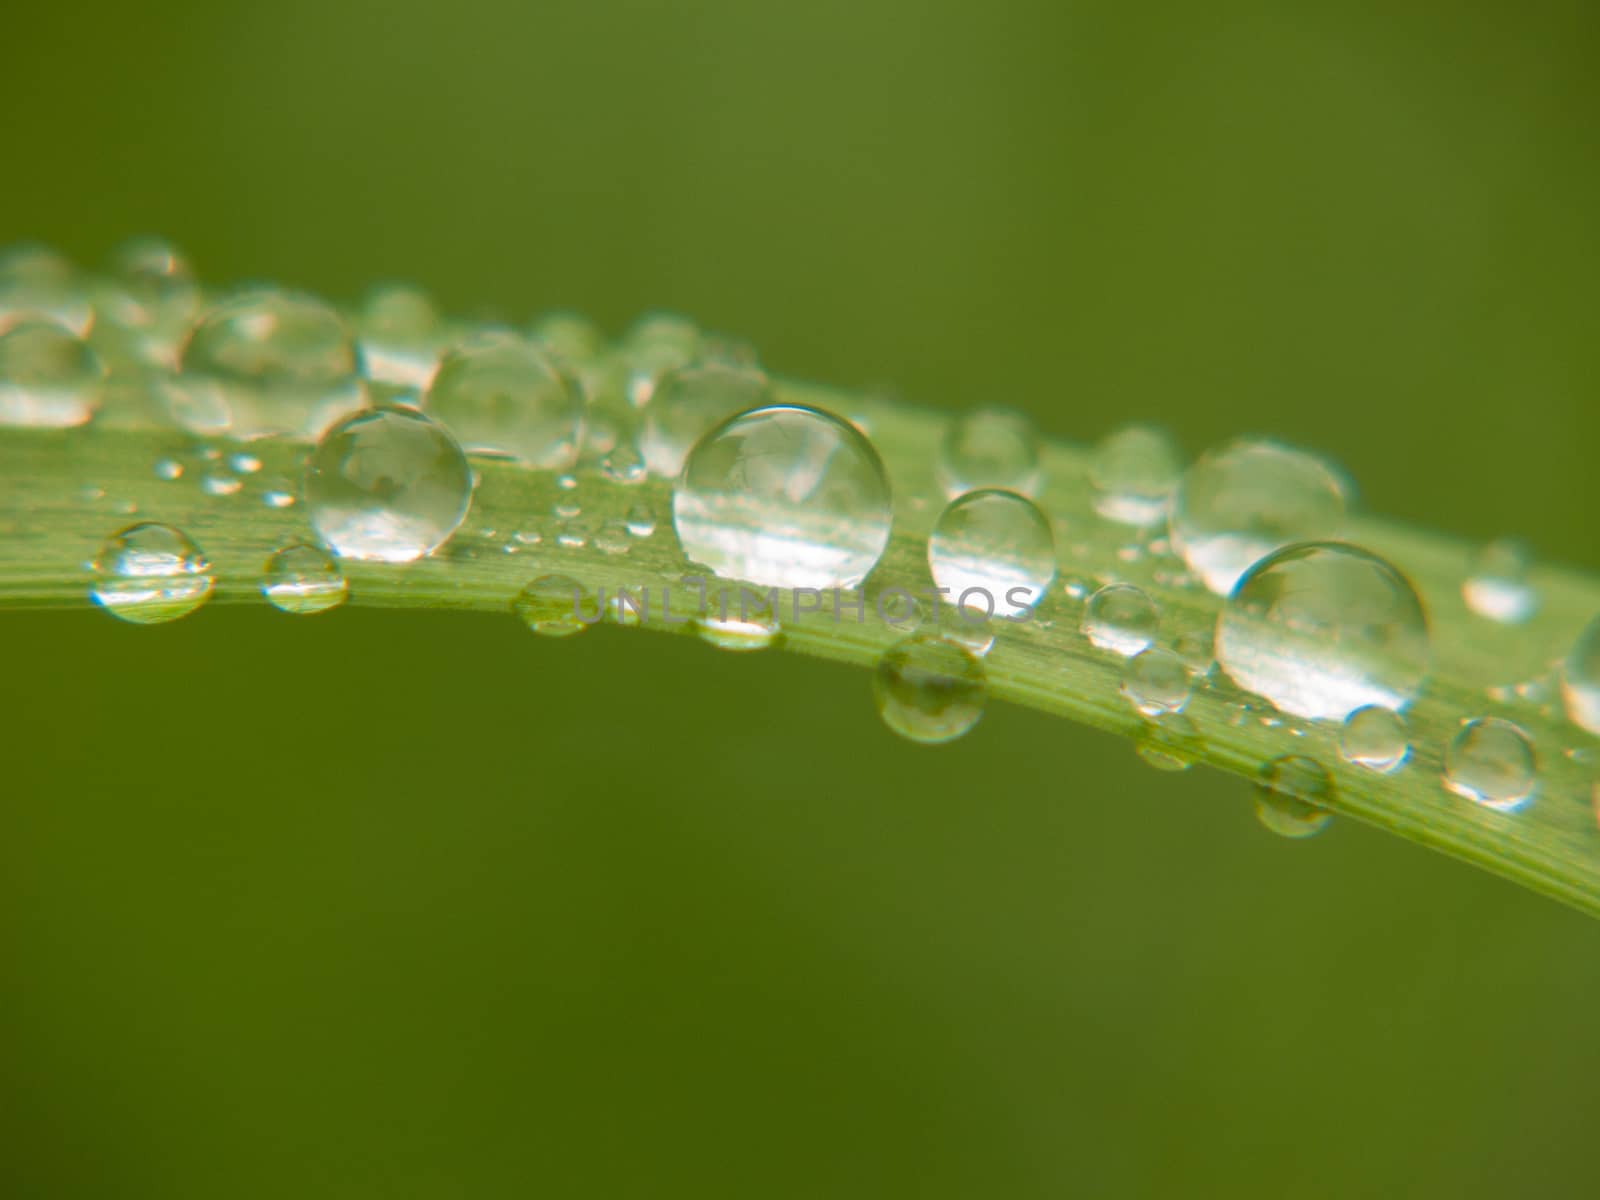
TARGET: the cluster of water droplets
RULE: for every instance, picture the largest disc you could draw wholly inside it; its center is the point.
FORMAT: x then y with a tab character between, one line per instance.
1315	638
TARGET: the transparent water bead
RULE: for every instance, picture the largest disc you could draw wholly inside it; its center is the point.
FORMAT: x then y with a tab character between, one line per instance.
1491	762
657	345
929	690
784	496
993	551
1245	499
267	363
39	284
399	336
738	621
149	573
1498	586
1121	618
990	448
49	378
1376	738
1580	679
387	485
571	338
1323	629
1132	475
502	395
1291	796
555	606
302	578
150	299
1156	681
688	402
1169	741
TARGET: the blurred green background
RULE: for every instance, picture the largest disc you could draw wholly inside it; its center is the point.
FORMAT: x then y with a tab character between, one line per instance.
417	905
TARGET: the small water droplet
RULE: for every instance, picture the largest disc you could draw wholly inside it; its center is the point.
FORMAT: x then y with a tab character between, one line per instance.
302	578
387	485
220	485
656	346
738	619
785	496
151	298
1323	629
1132	474
929	689
149	573
1580	679
1242	500
1291	796
613	538
37	283
566	509
572	338
169	469
555	606
993	550
277	498
1491	762
399	337
690	401
500	394
641	521
966	627
245	464
1156	681
1169	742
49	379
265	363
990	448
1121	618
623	464
1498	586
1376	738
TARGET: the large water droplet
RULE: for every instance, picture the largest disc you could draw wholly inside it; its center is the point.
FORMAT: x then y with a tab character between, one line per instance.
1132	474
1491	762
387	485
688	402
37	283
1156	681
149	300
1121	618
1375	738
500	394
49	379
785	496
149	573
399	337
555	606
271	363
1291	796
302	578
1498	586
929	690
1247	498
1323	629
1580	679
990	448
993	550
739	620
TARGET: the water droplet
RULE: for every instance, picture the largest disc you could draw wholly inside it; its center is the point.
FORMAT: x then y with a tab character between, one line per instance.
149	573
502	395
785	496
270	363
613	538
1291	796
641	521
1156	681
989	448
656	346
387	485
400	337
1491	761
37	283
277	498
1498	586
220	485
1247	498
245	464
566	509
738	619
1169	742
929	690
169	469
1323	629
571	338
555	606
623	464
993	550
1580	679
1376	738
688	402
302	578
966	627
49	379
1121	618
150	300
1132	474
